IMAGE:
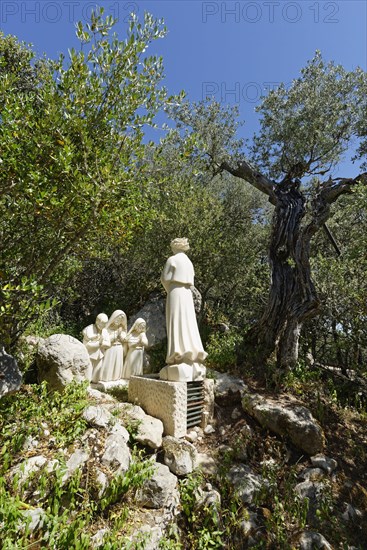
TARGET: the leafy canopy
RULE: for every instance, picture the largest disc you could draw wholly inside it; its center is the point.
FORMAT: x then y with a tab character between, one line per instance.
306	128
71	140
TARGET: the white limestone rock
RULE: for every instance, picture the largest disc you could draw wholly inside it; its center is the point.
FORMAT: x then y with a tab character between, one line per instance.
116	454
286	419
149	430
209	429
311	540
102	482
30	443
160	490
120	430
34	519
245	482
29	469
97	539
313	491
312	474
77	460
179	455
249	526
98	416
325	463
62	359
10	375
350	513
208	498
228	389
99	395
191	436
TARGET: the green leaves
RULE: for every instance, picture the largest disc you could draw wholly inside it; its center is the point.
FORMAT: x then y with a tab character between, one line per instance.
308	126
71	139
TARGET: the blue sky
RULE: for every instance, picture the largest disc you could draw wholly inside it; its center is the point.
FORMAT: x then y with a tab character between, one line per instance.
232	50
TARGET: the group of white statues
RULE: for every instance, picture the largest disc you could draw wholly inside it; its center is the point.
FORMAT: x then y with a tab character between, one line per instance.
116	353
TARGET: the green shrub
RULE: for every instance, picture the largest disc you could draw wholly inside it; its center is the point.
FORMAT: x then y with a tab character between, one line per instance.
221	348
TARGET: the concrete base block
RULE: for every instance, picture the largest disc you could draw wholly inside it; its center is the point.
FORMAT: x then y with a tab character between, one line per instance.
161	399
168	401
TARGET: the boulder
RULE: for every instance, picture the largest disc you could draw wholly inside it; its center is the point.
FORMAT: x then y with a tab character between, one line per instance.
351	514
10	375
325	463
117	454
154	314
286	419
98	416
148	430
228	389
35	519
313	491
62	359
76	461
102	482
245	482
311	540
179	455
208	499
312	474
97	539
25	473
160	490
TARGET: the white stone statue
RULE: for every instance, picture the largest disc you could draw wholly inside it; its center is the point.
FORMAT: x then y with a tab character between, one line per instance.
136	341
97	341
185	352
113	360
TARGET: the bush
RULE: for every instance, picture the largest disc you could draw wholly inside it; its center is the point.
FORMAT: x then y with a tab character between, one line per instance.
221	348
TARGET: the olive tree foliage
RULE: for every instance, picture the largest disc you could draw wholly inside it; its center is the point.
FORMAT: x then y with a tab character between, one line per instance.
305	130
339	335
226	224
71	137
223	220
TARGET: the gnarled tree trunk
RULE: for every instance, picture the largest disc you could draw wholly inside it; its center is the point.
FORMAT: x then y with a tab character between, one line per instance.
292	297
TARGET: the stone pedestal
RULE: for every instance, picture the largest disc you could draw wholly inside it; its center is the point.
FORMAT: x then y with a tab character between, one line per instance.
168	402
164	400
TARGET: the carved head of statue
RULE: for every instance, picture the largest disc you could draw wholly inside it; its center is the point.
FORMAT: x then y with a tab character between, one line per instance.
117	320
139	326
180	245
101	321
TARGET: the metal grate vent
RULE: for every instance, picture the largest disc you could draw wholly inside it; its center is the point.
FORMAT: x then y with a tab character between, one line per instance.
195	403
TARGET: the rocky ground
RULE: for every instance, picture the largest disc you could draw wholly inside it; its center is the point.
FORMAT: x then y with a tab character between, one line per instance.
271	471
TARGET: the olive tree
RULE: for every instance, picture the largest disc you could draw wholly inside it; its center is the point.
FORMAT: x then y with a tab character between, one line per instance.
305	129
71	138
